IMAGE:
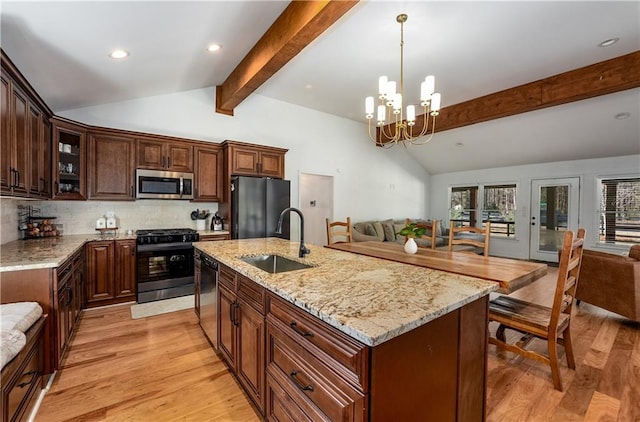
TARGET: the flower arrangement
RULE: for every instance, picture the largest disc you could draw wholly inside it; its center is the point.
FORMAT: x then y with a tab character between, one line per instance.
412	230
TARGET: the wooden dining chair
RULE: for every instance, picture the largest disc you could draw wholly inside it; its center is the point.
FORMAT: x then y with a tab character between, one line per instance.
343	234
534	320
464	244
430	235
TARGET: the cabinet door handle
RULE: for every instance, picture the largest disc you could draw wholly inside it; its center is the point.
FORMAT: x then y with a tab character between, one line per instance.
235	314
43	184
14	177
293	375
294	326
17	178
33	374
168	162
231	316
55	190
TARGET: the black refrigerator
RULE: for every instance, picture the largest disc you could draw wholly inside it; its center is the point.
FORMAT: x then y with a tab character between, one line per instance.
256	204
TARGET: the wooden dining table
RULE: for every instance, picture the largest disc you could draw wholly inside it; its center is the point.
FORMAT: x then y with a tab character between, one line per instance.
511	274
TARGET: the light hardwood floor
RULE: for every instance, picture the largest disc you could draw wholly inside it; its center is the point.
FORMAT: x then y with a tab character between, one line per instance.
162	369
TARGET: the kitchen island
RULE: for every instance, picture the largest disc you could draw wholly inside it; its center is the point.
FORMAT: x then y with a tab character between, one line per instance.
353	337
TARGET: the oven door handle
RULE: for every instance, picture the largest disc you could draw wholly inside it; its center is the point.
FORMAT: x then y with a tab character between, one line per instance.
174	247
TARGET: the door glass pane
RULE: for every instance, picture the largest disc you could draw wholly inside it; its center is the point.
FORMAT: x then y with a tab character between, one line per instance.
554	208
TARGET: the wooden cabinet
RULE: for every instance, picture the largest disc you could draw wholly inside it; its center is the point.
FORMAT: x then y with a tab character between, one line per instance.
69	302
255	160
25	168
111	272
40	154
22	376
241	331
69	160
212	236
313	368
111	167
208	174
164	155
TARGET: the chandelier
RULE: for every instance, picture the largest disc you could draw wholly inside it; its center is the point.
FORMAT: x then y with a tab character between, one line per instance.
401	128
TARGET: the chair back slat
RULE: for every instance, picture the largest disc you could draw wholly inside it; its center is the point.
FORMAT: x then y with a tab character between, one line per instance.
342	234
568	276
432	229
484	243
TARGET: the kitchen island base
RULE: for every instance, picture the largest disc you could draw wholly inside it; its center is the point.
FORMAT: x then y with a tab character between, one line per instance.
435	372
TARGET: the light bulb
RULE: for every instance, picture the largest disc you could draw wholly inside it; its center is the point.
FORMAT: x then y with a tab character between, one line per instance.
368	107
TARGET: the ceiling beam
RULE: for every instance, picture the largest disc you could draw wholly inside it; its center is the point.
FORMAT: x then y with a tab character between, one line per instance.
298	25
609	76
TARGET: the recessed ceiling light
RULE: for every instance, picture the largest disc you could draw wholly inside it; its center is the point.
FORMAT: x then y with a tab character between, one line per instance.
214	47
607	43
308	86
459	144
622	116
119	54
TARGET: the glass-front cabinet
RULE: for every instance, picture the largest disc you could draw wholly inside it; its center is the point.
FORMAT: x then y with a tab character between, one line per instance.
69	164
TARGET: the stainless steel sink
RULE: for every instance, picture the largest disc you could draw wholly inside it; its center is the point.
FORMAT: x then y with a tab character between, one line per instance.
274	263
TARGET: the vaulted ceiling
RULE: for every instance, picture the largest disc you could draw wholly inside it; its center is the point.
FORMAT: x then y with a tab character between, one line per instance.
474	49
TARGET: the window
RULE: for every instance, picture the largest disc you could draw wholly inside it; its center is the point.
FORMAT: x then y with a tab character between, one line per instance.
495	203
620	211
499	207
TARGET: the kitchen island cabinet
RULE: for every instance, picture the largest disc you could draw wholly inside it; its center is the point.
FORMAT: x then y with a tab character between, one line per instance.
358	338
241	326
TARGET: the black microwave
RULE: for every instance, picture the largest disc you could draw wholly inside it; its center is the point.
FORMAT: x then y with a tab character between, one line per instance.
156	184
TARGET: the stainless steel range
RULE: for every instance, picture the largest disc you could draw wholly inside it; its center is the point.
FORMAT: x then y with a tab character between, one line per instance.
164	263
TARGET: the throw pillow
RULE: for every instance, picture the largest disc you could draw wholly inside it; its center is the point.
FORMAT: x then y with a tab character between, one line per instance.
379	230
369	230
389	233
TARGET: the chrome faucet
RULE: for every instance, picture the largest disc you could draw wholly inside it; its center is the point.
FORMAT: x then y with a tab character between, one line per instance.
303	249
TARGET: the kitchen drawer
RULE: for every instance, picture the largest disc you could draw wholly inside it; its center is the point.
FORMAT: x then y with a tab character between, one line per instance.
343	354
26	381
280	406
319	391
227	277
251	292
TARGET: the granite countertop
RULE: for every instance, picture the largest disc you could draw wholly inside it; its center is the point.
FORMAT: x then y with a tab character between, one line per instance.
47	252
369	299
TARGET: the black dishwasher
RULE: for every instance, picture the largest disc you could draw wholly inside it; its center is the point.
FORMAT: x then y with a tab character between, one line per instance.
208	298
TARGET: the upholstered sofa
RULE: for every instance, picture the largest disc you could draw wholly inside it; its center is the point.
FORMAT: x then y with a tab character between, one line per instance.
385	231
611	282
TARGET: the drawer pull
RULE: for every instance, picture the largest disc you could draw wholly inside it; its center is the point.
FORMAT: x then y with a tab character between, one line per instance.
298	384
294	326
33	375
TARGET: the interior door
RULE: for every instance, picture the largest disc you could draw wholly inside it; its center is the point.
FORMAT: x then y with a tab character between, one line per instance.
554	210
316	203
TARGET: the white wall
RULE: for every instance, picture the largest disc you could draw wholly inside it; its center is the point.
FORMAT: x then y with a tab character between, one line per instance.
369	182
587	170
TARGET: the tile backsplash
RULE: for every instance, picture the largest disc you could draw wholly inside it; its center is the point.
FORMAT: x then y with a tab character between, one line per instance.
79	217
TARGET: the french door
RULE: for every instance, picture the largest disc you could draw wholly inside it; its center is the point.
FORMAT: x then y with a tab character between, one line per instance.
554	210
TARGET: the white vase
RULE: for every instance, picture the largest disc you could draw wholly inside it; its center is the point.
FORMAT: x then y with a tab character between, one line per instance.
411	246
